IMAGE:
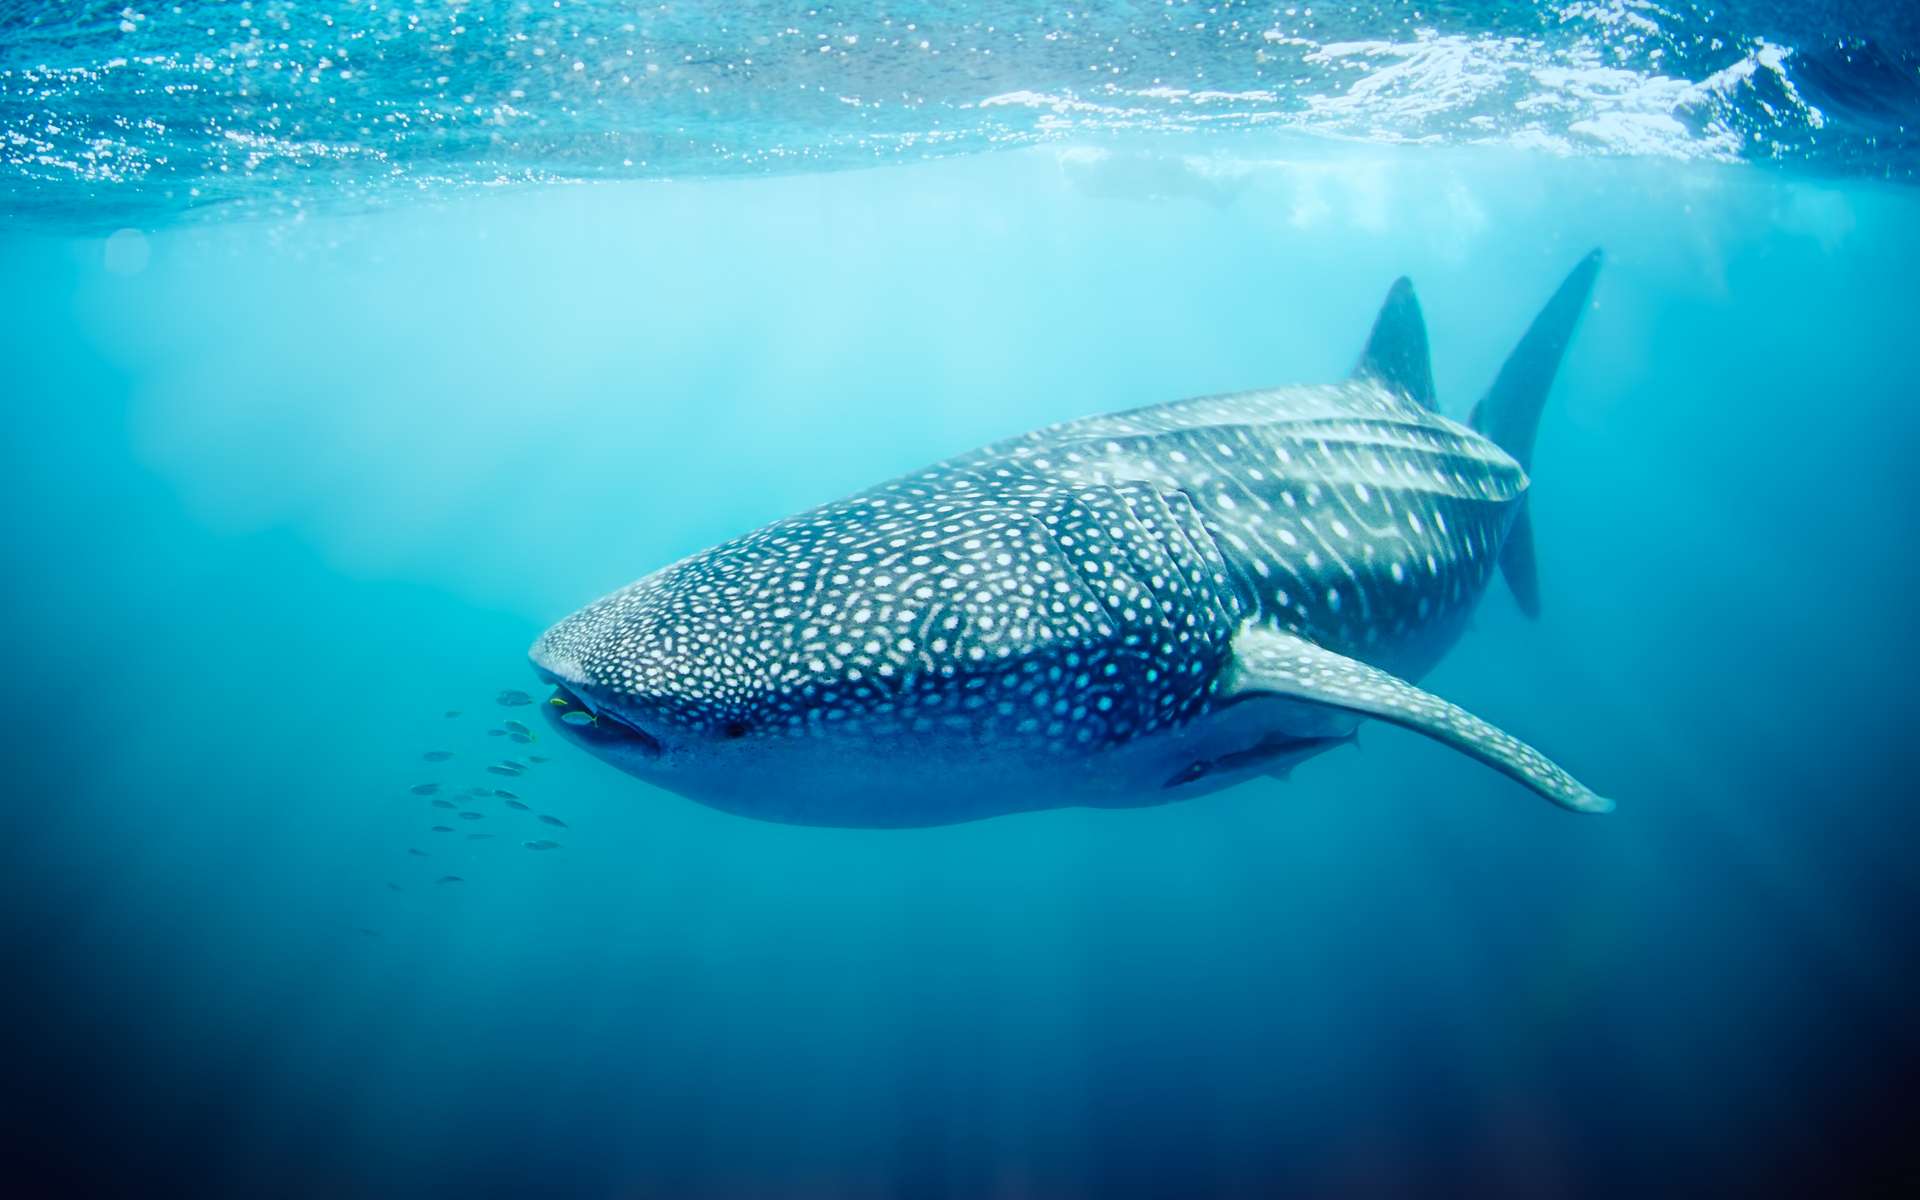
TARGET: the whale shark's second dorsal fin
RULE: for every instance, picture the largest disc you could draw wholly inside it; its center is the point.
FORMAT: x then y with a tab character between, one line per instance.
1509	414
1273	662
1396	352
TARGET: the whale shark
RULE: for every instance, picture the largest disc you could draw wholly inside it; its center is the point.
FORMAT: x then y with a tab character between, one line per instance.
1114	611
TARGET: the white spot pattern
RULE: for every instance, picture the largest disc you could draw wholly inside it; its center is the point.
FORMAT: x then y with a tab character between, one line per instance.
1285	664
1071	589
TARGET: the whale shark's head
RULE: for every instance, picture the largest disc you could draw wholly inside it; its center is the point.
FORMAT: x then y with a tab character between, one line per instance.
895	658
774	670
641	678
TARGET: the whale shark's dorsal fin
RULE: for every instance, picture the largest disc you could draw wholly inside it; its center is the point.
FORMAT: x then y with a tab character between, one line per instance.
1396	352
1272	662
1509	414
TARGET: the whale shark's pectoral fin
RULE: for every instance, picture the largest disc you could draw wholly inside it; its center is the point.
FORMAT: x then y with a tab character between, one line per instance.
1270	662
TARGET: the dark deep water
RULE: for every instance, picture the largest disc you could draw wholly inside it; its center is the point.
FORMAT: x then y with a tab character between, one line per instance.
283	490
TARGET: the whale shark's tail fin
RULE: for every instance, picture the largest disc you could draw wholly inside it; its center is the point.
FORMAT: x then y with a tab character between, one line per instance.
1509	413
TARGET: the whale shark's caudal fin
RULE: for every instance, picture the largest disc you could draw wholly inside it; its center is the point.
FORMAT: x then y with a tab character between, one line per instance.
1396	352
1509	414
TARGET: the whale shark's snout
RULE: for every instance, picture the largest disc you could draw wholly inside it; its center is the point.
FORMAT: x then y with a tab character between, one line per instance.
622	729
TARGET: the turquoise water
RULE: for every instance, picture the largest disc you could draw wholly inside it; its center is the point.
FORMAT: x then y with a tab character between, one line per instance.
289	482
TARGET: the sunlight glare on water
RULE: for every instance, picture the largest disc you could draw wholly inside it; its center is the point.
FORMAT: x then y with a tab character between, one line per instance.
152	112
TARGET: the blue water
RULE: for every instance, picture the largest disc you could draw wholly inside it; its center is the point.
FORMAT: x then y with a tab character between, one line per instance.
293	472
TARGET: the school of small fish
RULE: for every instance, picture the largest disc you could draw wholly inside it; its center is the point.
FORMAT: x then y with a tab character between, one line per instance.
437	791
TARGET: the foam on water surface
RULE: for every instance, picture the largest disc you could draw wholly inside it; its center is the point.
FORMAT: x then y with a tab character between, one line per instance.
147	113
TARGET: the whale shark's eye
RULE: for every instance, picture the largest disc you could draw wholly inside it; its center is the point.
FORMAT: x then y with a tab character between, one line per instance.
734	729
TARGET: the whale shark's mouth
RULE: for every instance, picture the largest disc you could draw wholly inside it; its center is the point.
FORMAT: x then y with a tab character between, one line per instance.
596	725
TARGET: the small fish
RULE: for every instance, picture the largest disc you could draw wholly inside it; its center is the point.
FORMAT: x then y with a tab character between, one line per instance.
478	837
577	716
539	758
425	789
496	733
451	713
439	803
518	805
509	772
556	821
504	794
443	829
515	763
512	698
394	887
437	755
472	816
365	930
520	738
449	879
542	844
418	853
515	727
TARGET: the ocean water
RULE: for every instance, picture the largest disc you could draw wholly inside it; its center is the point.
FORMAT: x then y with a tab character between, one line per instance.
329	386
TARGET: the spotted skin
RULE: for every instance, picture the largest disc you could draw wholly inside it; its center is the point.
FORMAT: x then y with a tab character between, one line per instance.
1057	618
1363	520
1266	660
